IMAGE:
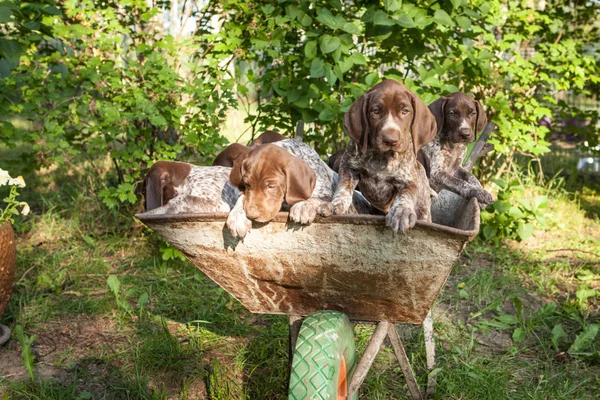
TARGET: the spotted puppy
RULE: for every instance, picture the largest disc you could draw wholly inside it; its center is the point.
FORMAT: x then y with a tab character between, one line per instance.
178	188
227	157
459	118
286	174
387	126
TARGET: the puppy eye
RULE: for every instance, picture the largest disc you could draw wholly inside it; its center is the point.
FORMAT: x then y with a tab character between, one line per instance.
271	186
376	111
451	113
473	113
405	111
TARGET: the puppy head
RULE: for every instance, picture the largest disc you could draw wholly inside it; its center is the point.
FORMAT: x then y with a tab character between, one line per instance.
268	137
268	175
227	157
459	117
389	117
162	180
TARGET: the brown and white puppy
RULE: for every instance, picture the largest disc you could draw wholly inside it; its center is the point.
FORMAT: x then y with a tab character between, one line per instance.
268	178
459	118
173	187
387	125
227	157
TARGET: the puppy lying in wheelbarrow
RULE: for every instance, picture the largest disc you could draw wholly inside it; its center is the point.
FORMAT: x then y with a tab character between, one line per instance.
264	179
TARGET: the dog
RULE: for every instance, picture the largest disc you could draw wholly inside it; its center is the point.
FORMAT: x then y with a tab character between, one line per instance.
459	118
387	126
177	188
286	173
227	157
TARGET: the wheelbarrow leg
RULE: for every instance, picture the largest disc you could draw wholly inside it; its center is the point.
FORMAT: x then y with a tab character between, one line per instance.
368	357
430	353
400	353
295	324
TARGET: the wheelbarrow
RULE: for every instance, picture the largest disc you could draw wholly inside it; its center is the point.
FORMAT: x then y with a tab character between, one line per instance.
337	269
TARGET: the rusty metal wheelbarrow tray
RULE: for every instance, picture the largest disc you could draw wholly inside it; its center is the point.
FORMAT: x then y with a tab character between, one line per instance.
351	263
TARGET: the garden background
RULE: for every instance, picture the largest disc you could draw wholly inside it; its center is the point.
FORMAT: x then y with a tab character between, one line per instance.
93	92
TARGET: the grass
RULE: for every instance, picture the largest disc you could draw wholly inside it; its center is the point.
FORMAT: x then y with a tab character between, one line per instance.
168	332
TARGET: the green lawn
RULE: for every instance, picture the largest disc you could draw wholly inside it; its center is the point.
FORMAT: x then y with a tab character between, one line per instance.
509	323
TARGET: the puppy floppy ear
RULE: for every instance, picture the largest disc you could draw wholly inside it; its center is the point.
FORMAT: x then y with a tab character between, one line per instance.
437	109
300	181
156	180
356	123
423	127
481	121
237	171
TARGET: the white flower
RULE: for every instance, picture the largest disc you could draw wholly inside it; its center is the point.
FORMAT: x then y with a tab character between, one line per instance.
4	177
25	209
18	181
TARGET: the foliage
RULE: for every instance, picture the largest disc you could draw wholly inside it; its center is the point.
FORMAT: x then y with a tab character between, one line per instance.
26	353
512	216
106	82
11	208
110	80
310	60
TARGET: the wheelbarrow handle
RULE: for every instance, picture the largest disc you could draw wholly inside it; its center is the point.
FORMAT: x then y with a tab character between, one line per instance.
481	147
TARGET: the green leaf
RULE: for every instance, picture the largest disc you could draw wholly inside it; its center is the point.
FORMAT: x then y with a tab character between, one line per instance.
441	17
351	28
11	50
405	21
5	14
267	9
325	17
508	319
540	202
114	285
557	333
310	50
317	68
327	114
518	335
392	5
584	340
381	18
524	230
456	3
52	10
329	43
143	300
463	22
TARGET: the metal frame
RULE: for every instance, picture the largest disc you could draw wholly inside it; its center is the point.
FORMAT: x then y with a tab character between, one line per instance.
383	329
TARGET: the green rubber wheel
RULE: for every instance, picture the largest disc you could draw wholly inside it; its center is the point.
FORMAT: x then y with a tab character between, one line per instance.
324	358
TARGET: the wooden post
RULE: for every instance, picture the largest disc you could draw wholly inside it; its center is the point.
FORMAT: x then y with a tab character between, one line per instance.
481	147
430	353
368	357
400	353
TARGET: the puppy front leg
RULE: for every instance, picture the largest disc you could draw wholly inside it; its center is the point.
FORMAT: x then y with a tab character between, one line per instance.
403	215
237	222
305	211
348	179
482	195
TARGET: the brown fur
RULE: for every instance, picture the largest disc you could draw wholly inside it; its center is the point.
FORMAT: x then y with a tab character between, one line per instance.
387	126
162	180
267	175
459	119
227	157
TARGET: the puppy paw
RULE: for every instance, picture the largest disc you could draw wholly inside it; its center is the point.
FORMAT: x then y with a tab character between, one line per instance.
325	209
401	218
238	224
484	197
303	212
340	208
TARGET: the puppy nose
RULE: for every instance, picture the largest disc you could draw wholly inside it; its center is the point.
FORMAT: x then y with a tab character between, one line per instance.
252	213
465	132
390	140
